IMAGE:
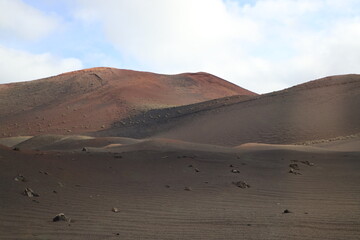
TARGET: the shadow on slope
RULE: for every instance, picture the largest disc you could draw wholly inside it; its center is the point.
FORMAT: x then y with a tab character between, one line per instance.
319	109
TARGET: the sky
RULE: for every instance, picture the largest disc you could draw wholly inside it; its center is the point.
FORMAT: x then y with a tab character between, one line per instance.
261	45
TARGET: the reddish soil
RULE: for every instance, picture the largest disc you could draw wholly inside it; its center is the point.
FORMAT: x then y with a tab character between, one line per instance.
92	99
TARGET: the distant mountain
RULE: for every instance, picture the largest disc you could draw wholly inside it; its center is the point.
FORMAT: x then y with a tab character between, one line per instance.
92	99
320	109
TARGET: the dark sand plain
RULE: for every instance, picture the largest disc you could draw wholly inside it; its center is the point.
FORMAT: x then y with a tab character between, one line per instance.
148	184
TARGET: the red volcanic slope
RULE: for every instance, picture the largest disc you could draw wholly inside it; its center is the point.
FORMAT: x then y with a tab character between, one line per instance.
91	99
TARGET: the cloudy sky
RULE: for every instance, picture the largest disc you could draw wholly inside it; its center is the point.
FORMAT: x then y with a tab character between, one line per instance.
262	45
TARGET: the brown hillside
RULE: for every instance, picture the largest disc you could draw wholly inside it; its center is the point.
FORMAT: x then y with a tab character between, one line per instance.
91	99
319	109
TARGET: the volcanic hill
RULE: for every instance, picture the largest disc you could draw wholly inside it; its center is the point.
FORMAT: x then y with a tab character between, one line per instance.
92	99
320	109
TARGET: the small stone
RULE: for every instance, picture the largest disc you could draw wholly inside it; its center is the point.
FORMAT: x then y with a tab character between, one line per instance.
294	172
16	149
197	170
54	191
294	166
84	149
20	178
167	186
61	217
287	211
235	171
241	184
188	189
231	165
190	165
308	163
115	210
30	193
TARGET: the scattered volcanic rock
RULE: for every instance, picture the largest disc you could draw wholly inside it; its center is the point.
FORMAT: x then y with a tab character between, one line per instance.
294	172
287	211
30	193
241	184
294	166
115	210
307	163
61	217
20	178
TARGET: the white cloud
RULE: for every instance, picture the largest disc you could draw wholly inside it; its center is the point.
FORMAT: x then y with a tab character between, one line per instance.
315	43
164	32
265	46
332	52
175	36
19	20
18	65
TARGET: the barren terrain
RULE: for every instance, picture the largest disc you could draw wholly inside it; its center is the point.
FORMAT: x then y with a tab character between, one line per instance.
190	162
